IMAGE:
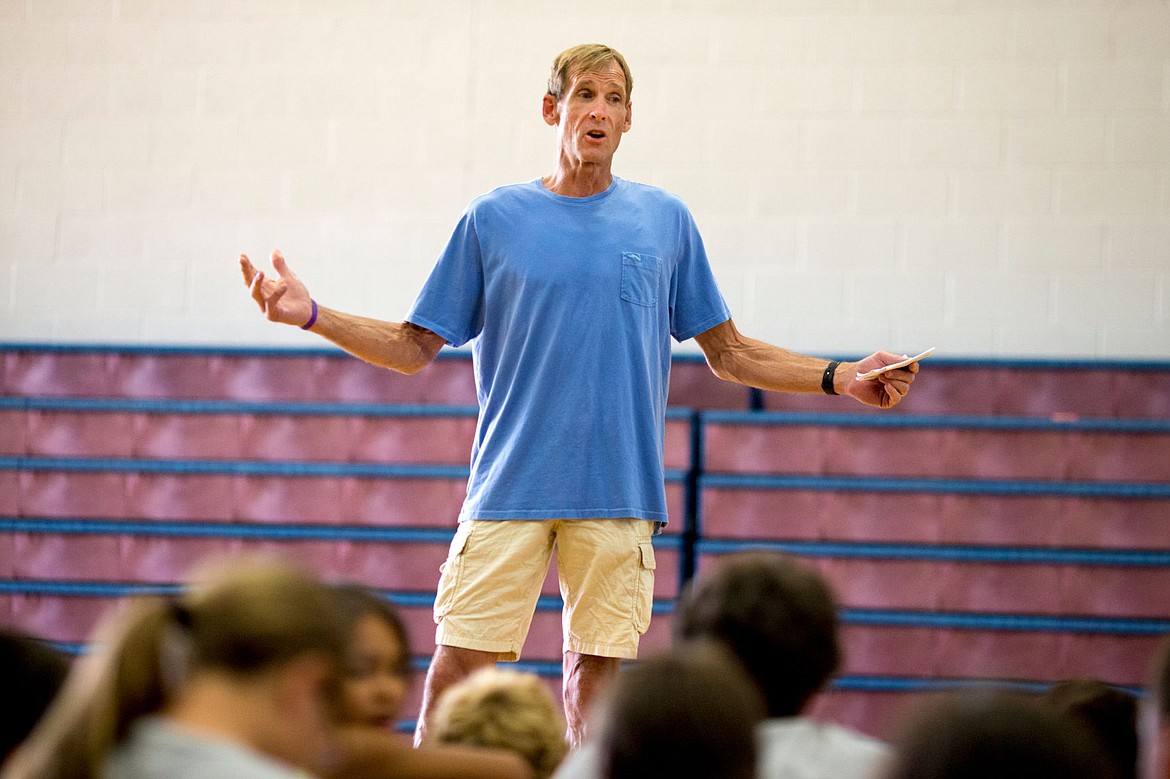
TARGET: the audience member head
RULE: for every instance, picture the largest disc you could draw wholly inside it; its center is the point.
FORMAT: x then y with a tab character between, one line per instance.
995	734
377	667
777	616
31	673
692	712
1110	713
252	652
504	710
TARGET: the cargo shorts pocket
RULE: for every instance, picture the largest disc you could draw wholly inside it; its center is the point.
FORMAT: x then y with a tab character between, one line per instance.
451	571
640	276
644	592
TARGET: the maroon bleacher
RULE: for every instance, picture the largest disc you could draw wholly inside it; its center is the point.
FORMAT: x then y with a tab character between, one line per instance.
1059	451
1052	451
1012	388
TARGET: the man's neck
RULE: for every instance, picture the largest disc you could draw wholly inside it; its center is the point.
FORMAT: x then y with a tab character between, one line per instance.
578	181
215	708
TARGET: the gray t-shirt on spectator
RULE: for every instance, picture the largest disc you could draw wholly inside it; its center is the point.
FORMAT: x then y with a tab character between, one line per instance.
156	748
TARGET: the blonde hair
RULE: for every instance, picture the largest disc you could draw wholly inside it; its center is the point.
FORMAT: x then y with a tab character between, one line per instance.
586	57
505	710
247	619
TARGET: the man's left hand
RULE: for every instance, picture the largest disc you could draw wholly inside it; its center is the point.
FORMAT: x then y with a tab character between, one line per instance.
886	390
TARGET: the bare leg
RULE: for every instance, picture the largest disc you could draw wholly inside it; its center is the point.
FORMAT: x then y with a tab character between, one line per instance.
585	676
449	665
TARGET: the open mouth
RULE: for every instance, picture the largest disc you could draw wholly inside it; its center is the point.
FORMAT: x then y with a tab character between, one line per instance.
596	134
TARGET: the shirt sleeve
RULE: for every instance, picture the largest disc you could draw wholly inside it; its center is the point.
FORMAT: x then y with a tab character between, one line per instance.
696	305
450	302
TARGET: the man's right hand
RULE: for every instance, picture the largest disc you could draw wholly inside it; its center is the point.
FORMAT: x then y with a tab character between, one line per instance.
399	346
285	299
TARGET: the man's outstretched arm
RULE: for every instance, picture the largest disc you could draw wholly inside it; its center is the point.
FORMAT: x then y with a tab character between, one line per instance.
735	357
399	346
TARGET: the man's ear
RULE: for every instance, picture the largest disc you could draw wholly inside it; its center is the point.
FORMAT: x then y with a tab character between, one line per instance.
629	117
550	110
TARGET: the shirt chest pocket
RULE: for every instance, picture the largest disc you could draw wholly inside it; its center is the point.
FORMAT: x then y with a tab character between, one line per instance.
640	277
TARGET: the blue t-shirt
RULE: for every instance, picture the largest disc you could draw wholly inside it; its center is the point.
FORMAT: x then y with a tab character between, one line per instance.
571	303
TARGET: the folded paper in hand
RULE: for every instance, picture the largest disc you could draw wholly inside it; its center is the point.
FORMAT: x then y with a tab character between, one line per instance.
894	366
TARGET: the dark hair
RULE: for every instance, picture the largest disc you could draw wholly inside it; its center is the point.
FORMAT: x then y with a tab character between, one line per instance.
1107	711
31	674
778	617
689	713
975	735
355	602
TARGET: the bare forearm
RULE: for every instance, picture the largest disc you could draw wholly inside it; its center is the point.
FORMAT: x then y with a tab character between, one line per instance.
735	357
399	346
768	367
368	754
738	358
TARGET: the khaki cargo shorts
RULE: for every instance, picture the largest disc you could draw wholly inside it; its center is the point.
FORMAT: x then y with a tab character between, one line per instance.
495	569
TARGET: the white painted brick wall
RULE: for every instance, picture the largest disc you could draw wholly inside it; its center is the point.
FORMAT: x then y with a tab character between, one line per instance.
951	144
909	193
7	192
30	142
1112	194
1065	32
1141	139
1122	298
1138	245
1001	168
908	88
1019	298
1048	141
940	244
48	188
1008	87
803	192
1054	246
1128	85
1005	191
109	142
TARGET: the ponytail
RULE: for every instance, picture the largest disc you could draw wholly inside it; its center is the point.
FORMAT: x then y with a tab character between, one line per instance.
246	618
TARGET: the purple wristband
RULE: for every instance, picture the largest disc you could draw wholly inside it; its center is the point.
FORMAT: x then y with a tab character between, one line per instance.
312	317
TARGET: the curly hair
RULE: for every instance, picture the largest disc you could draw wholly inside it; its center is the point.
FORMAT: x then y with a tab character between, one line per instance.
505	710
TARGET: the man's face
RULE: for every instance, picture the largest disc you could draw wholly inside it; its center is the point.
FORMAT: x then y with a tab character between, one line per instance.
591	115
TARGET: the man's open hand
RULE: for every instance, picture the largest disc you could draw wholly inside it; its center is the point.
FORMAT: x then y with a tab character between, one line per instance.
284	299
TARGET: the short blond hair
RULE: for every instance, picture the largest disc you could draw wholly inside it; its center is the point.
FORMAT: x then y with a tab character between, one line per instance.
504	709
585	57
